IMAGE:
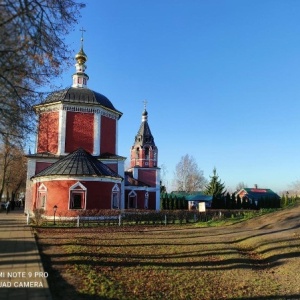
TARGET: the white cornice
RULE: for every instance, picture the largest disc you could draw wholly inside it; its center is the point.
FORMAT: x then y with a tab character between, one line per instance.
77	108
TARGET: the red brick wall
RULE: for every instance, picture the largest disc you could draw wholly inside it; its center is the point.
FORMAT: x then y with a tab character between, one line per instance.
48	132
147	176
79	131
108	135
141	199
40	166
98	195
114	167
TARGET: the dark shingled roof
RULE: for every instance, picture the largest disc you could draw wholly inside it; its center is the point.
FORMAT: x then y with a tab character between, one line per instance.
144	135
79	95
79	163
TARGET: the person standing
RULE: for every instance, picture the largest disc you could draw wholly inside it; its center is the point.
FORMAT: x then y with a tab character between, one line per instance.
7	206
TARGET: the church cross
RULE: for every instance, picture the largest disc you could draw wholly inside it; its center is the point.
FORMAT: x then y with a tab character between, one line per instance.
82	31
145	103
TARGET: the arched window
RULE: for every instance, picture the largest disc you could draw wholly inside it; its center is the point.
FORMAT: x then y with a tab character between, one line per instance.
42	196
115	197
146	152
132	200
77	196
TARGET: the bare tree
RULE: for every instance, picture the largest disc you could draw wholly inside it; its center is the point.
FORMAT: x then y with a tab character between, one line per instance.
32	53
12	167
188	177
294	188
163	177
240	185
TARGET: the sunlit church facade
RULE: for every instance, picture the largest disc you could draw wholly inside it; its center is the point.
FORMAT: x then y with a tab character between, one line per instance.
76	165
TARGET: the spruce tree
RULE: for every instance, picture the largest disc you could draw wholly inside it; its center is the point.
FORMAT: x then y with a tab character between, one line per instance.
216	189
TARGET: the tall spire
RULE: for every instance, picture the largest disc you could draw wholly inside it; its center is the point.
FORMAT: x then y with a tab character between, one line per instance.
80	78
144	151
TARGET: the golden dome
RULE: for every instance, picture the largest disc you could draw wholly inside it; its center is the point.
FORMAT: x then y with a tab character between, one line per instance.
81	57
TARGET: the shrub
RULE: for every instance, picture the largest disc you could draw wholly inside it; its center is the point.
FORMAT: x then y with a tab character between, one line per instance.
38	216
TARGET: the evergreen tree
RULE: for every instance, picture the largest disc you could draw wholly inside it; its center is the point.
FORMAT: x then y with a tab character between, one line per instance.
175	203
238	202
167	202
163	201
216	189
228	201
171	201
162	188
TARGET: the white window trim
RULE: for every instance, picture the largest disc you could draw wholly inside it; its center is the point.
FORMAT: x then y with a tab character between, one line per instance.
42	191
132	194
79	188
115	191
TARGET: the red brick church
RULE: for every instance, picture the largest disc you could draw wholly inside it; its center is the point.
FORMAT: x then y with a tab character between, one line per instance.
76	165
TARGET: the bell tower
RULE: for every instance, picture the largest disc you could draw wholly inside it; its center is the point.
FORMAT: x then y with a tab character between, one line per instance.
142	183
144	151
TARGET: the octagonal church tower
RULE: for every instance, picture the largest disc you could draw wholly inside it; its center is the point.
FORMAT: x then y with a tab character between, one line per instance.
75	165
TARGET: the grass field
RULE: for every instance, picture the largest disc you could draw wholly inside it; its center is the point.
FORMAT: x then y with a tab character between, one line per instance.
255	259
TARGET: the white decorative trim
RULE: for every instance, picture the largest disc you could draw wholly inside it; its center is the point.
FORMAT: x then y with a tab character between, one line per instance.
78	108
42	188
132	193
74	186
62	132
49	107
85	109
97	133
73	189
116	188
96	179
115	192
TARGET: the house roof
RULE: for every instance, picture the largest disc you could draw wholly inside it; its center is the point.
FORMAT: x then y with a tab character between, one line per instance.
257	193
199	197
79	96
78	163
193	196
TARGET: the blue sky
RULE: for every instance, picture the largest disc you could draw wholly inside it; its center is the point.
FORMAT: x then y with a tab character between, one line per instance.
221	79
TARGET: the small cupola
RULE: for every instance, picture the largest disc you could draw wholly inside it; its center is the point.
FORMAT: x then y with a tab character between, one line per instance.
80	78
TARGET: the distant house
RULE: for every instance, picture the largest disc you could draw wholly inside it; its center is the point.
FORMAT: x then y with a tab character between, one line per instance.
196	199
256	195
193	199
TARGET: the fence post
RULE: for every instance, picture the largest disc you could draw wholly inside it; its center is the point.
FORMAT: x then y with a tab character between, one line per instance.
77	221
120	219
165	219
